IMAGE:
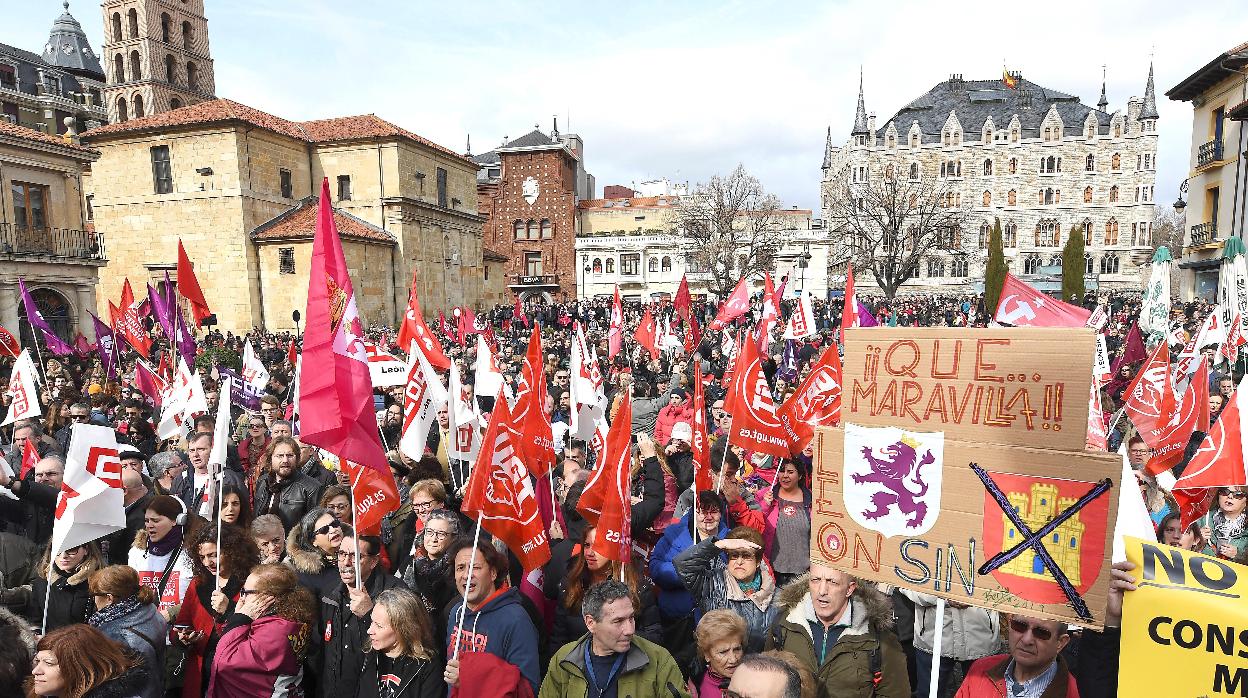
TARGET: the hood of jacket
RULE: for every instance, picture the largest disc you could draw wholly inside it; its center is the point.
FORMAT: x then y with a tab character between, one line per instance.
303	559
870	606
140	539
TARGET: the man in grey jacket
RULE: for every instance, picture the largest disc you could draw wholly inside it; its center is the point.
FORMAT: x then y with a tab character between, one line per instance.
646	408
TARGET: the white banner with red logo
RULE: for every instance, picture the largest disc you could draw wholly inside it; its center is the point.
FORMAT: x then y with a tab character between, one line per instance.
90	503
184	399
384	369
24	390
802	322
254	373
422	398
464	440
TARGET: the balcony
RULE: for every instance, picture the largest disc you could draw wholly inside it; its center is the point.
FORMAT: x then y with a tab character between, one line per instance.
61	243
1209	154
529	281
1204	234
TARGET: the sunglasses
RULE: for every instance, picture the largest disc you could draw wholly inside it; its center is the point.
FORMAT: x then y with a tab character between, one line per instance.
1238	494
742	555
246	592
328	527
1040	633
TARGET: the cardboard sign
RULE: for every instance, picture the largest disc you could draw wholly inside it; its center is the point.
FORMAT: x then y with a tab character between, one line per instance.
1010	528
1188	615
1024	386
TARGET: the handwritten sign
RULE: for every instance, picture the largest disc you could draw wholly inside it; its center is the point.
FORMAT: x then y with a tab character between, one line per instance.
1024	386
1017	529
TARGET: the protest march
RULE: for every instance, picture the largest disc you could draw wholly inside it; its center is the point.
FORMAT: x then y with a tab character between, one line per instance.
917	496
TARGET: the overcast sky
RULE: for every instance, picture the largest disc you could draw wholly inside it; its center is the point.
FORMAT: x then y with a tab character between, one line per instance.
683	90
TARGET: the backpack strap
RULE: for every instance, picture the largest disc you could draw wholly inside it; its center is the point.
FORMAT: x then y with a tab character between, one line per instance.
875	663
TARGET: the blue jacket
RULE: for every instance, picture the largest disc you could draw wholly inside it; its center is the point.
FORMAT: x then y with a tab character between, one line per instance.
143	631
501	627
674	598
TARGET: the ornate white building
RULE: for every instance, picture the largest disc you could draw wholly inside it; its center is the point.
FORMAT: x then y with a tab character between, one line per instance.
1041	161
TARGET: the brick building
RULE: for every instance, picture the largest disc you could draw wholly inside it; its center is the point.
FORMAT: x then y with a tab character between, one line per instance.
527	190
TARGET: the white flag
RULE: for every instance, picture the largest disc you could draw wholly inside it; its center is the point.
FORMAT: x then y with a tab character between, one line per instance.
254	372
801	323
182	402
23	389
464	439
422	399
384	369
1133	518
489	380
90	502
588	399
217	458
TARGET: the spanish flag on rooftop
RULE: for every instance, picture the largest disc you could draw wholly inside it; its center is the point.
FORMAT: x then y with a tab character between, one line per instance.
1009	80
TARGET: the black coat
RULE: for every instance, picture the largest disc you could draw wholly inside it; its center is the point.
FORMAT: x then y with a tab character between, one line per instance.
120	542
291	499
30	515
70	602
418	678
342	636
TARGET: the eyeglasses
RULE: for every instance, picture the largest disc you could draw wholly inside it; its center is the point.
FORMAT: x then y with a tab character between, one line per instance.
257	426
742	555
247	592
77	417
351	556
1040	633
434	534
1233	494
328	527
423	506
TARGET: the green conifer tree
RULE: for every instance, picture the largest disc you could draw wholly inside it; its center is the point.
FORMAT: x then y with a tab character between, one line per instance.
994	273
1073	267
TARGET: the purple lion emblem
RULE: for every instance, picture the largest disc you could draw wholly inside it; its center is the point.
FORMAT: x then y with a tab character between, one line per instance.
892	474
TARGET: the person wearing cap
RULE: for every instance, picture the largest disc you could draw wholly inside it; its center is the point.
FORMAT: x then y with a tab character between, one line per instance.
677	410
679	455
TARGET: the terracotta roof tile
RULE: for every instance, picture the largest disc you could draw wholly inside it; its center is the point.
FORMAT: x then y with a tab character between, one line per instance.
492	255
631	202
299	222
366	126
30	134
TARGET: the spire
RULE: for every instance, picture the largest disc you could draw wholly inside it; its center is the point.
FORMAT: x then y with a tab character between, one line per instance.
1149	110
860	118
827	150
468	152
69	48
1103	103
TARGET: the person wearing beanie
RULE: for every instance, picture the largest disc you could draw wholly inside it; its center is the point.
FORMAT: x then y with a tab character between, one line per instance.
677	410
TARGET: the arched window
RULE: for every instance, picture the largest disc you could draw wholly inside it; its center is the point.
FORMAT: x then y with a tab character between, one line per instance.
1117	130
653	265
985	231
1087	195
610	265
1011	198
987	198
518	228
117	26
119	69
1013	165
1109	264
136	66
958	267
1031	264
1091	131
192	75
534	233
1056	261
188	36
914	172
122	113
1089	163
667	264
914	140
1014	134
935	267
175	103
132	18
959	168
987	135
1113	194
1115	162
1047	133
988	167
1111	233
597	265
1087	232
166	27
169	68
1048	233
548	230
138	106
1089	266
1009	235
892	142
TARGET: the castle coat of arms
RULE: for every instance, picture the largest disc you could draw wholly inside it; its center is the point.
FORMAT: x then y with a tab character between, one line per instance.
892	478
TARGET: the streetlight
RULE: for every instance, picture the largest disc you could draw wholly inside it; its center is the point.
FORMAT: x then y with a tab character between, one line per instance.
294	315
1181	203
804	262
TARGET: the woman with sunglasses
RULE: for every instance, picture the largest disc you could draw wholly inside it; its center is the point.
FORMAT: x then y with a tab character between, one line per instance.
70	601
312	550
126	613
730	573
1225	527
266	639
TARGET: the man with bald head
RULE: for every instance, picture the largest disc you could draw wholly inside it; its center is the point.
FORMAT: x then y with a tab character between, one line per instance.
135	496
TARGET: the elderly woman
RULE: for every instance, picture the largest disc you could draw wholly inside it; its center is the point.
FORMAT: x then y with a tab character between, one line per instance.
730	573
425	497
426	573
721	645
270	538
402	659
337	501
126	613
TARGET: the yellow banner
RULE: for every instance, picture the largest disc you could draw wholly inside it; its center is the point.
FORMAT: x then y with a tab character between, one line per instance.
1185	630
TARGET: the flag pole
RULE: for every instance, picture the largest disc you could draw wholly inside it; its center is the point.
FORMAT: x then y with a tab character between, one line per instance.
220	478
355	533
472	564
47	594
933	685
719	481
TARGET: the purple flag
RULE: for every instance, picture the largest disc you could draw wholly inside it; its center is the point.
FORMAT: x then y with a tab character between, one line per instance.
106	345
787	370
865	318
160	308
55	344
186	340
241	393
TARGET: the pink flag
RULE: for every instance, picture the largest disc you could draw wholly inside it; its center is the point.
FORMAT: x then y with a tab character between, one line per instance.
336	400
615	332
1023	306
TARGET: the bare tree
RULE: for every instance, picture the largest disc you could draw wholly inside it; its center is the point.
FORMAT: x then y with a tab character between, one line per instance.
888	223
729	227
1168	229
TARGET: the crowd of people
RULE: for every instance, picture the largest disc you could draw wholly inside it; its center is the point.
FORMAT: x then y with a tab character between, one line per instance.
272	592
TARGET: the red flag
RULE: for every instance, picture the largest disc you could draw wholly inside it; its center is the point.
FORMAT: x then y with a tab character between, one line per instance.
529	418
30	458
291	355
770	315
736	305
336	399
701	444
371	496
755	426
647	336
849	304
467	321
1023	306
1219	462
518	312
606	502
693	336
1234	340
149	382
815	403
188	287
1133	350
164	369
500	496
1150	397
414	329
684	302
131	326
1191	416
9	346
615	331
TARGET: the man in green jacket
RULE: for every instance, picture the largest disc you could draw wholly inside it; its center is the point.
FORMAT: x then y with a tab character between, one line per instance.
610	661
842	630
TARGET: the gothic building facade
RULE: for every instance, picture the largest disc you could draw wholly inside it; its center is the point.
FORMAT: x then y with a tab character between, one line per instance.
1040	161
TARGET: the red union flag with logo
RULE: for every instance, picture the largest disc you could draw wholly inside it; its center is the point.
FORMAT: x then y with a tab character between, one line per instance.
736	305
1023	306
815	403
530	419
90	502
501	497
1150	397
422	398
336	400
606	502
755	426
415	329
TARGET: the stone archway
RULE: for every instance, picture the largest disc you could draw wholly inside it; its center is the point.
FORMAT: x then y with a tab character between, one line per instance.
56	310
544	296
